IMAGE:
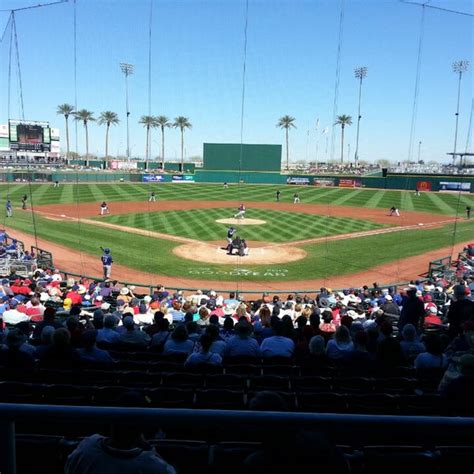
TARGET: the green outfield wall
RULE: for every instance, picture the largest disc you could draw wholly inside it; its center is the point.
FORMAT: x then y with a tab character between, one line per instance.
244	157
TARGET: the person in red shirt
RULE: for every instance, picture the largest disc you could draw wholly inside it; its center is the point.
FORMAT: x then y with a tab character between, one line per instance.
74	296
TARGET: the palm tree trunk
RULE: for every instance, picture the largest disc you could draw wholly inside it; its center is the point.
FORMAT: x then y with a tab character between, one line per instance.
67	138
87	142
147	145
182	150
163	147
287	152
107	141
342	144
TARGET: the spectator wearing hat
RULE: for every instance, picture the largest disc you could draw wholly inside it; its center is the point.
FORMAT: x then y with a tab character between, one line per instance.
433	358
12	316
74	296
242	343
13	357
179	342
90	353
132	335
431	318
108	334
205	355
461	310
390	309
144	316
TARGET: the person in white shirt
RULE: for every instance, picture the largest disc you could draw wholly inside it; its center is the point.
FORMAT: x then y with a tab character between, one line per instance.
12	315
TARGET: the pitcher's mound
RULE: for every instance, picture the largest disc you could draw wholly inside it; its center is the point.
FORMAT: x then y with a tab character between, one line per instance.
235	221
257	256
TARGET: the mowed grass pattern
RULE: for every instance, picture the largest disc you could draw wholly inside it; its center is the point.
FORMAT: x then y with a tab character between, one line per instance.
41	194
200	224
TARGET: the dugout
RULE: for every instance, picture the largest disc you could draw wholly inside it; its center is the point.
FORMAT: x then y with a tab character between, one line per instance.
241	157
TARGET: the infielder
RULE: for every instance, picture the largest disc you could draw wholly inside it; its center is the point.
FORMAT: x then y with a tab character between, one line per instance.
23	202
241	212
394	210
107	261
296	198
278	193
104	208
152	197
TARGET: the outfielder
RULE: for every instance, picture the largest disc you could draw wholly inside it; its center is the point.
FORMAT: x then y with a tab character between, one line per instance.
241	212
107	261
296	198
9	208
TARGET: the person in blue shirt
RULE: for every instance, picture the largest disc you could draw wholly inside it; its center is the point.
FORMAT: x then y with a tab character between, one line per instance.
107	261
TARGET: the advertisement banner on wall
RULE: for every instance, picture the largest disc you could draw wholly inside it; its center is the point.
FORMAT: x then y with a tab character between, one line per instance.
182	178
350	183
153	178
122	165
324	181
455	186
423	185
296	180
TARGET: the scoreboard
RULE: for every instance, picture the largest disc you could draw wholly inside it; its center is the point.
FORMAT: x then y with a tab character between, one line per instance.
29	135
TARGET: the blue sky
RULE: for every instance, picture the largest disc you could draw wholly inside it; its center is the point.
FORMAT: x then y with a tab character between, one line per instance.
197	48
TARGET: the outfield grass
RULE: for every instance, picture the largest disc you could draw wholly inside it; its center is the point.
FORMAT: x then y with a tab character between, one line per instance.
324	260
200	224
436	203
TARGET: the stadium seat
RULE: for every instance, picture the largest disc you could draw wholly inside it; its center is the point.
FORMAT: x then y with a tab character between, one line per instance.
107	396
457	459
269	382
284	369
229	456
311	384
38	454
183	379
324	402
375	403
353	384
243	369
66	395
166	397
220	399
289	398
231	381
396	385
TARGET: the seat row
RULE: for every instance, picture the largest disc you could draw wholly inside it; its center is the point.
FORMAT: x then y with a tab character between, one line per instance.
225	398
38	454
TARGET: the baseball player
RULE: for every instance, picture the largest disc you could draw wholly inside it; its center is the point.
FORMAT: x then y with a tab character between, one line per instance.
152	197
56	184
9	208
104	208
394	210
417	192
241	212
296	198
226	185
468	212
278	193
107	261
23	202
230	234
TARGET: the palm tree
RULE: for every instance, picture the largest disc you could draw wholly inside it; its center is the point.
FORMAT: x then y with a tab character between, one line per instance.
108	118
66	110
148	121
182	123
343	120
162	121
86	116
286	122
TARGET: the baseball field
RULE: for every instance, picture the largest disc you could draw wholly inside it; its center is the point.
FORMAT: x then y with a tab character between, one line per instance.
335	236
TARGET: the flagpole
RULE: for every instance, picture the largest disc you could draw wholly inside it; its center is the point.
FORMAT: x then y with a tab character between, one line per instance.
317	139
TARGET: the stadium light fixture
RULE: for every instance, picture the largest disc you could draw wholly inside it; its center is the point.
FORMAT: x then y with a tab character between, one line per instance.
359	73
127	70
459	67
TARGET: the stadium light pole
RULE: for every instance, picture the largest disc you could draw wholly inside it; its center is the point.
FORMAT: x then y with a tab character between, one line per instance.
459	67
359	73
127	70
419	150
